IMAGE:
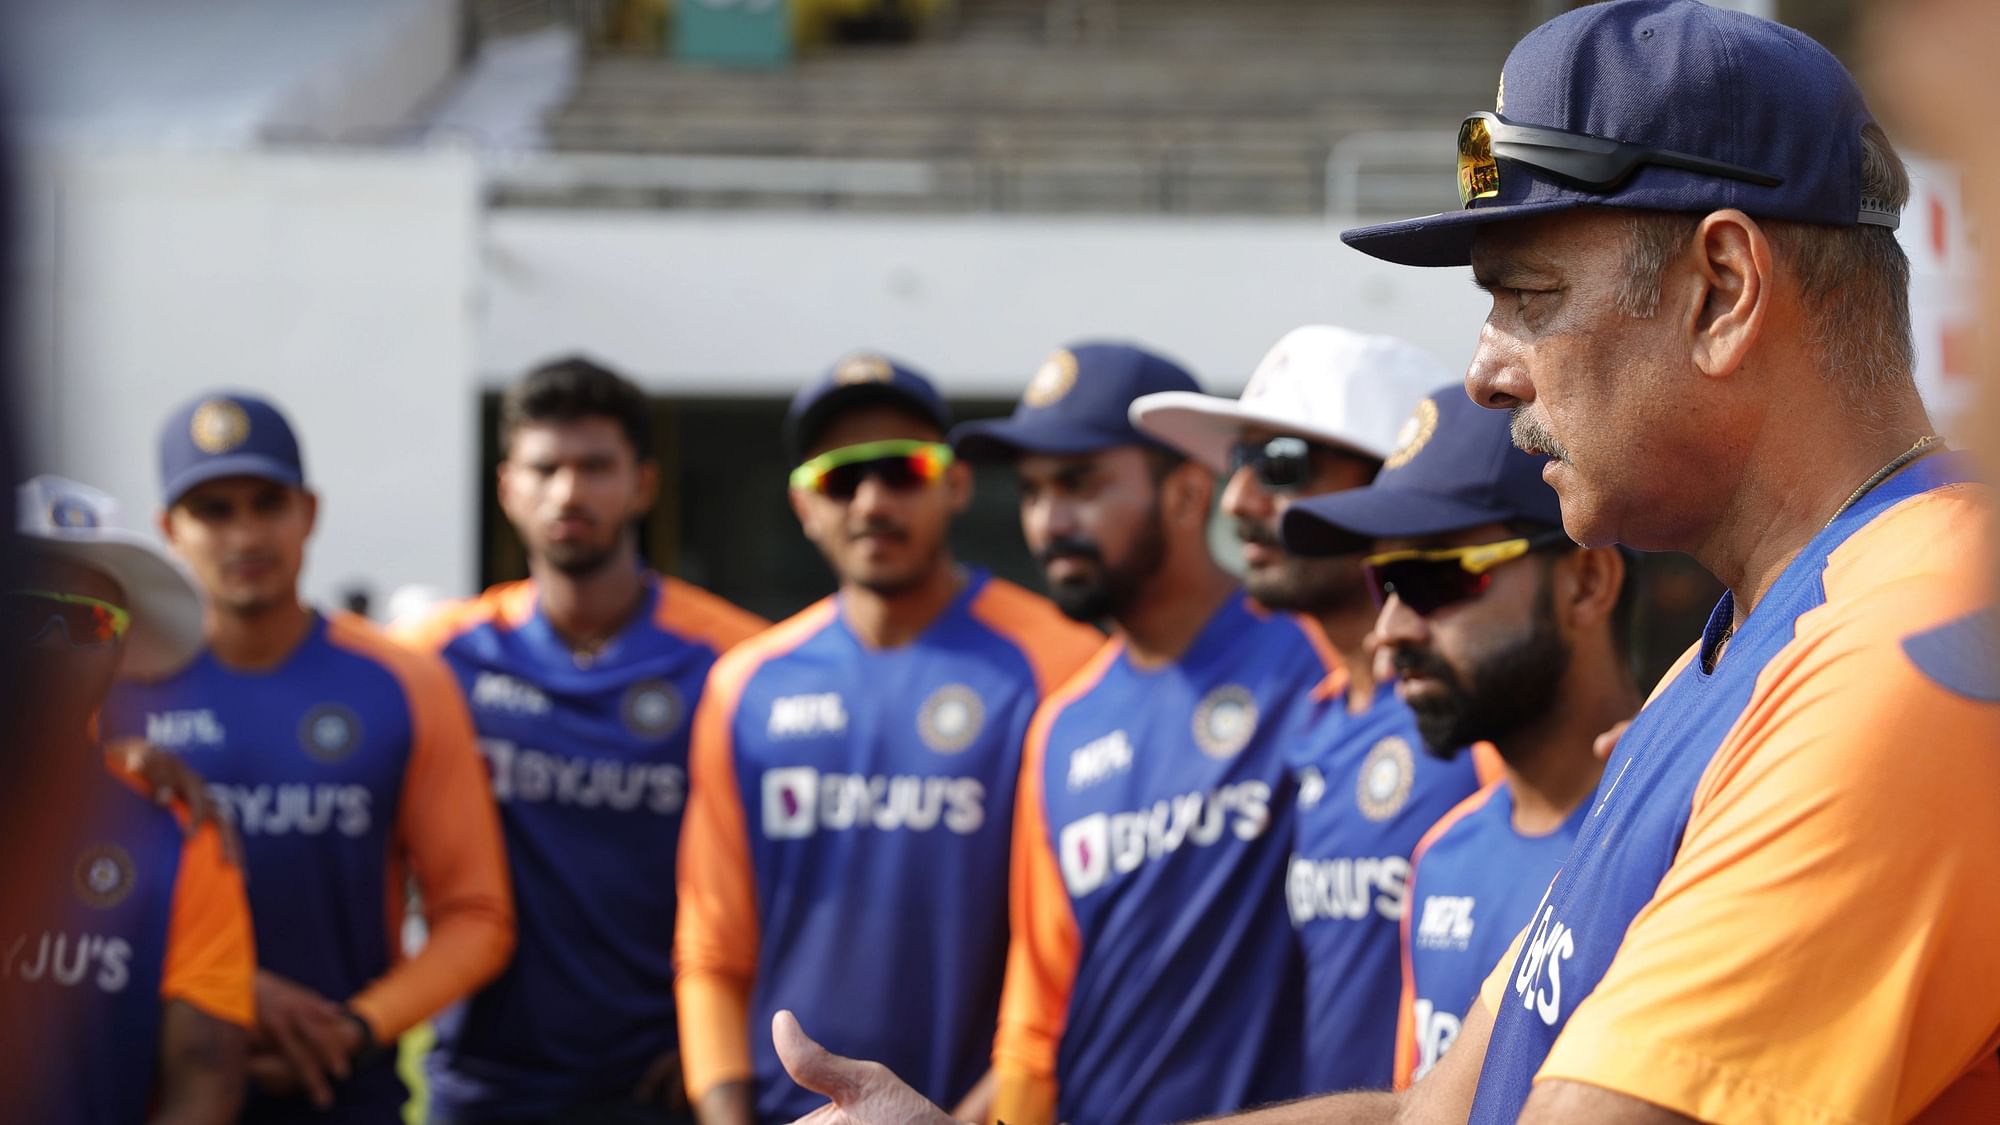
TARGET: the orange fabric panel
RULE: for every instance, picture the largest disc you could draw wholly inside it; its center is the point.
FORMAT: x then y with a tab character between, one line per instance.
1487	764
1045	947
1406	1011
211	957
1054	645
715	928
688	611
448	833
508	603
1810	955
1494	990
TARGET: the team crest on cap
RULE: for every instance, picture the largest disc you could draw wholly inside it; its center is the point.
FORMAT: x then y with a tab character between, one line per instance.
1415	434
1225	720
950	719
218	426
71	514
104	875
652	708
1052	380
330	732
863	369
1500	96
1386	775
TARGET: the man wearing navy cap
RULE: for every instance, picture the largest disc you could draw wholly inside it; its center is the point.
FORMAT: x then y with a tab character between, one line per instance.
346	762
844	849
1500	629
1151	977
1782	905
1319	416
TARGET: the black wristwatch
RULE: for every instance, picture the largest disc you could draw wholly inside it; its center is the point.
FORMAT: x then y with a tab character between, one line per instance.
369	1048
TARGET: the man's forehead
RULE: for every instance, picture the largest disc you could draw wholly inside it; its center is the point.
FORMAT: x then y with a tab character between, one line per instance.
225	490
1058	464
585	433
1546	245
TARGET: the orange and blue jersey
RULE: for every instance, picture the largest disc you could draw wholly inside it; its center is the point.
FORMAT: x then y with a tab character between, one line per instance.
1151	978
1474	880
846	842
1784	901
141	916
589	763
1368	792
346	769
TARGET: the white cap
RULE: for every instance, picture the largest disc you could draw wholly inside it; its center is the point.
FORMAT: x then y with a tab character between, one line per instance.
78	522
1321	383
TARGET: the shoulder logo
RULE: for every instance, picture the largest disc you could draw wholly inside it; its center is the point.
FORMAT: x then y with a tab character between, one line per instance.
1415	434
1100	758
330	732
1055	378
1225	720
104	875
218	426
498	691
1385	779
652	709
951	718
802	716
863	369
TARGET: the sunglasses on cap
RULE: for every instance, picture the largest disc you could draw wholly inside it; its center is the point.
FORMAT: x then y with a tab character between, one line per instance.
1280	464
30	615
902	465
1428	581
1578	159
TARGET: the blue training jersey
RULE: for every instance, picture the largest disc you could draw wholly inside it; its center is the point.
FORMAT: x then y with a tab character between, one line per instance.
589	764
1368	792
1148	981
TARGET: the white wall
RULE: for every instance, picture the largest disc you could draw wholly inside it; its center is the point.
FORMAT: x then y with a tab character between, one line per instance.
337	284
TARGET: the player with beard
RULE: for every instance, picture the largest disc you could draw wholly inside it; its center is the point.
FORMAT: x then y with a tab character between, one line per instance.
581	680
854	769
1146	982
1318	417
1501	629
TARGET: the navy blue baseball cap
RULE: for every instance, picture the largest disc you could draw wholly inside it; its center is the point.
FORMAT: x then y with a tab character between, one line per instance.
226	434
1455	467
861	379
1680	77
1079	401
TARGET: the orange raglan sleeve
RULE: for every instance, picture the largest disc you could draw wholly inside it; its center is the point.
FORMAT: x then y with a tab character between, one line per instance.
447	837
692	612
716	928
1822	948
1045	946
211	957
1055	646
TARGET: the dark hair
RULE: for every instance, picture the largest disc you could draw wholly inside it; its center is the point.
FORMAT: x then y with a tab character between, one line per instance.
1625	611
572	388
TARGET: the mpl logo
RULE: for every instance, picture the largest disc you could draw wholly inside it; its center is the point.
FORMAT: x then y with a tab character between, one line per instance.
1446	922
1100	758
178	730
800	801
802	716
497	691
1095	848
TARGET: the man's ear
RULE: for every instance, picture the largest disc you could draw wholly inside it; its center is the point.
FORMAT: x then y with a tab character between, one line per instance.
649	487
165	521
1597	576
1189	492
311	501
802	508
1732	264
958	482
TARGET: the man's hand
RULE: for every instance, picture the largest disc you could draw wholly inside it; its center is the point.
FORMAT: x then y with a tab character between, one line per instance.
167	776
861	1093
1608	741
310	1036
662	1085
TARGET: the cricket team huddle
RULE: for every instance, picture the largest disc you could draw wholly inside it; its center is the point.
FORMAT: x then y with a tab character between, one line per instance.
1360	833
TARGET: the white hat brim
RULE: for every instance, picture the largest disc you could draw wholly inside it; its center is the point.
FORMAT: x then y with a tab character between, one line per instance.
1204	427
166	606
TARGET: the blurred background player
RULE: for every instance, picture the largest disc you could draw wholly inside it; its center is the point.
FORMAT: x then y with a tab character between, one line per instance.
1503	631
846	844
581	682
1320	414
347	763
1149	979
133	1001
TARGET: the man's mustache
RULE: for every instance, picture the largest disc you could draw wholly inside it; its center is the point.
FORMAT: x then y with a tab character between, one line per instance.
888	529
1249	531
1422	662
1069	548
1532	437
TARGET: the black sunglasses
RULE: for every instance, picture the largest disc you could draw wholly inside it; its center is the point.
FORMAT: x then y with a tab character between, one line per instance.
1280	464
1579	159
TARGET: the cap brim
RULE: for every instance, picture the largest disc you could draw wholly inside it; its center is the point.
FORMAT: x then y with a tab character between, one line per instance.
1444	239
1003	439
1204	427
1341	523
233	465
166	606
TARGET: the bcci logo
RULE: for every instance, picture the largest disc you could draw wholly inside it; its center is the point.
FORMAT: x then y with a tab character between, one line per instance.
950	719
330	732
863	369
1225	720
651	709
218	426
104	875
1415	434
70	514
1385	779
1052	380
